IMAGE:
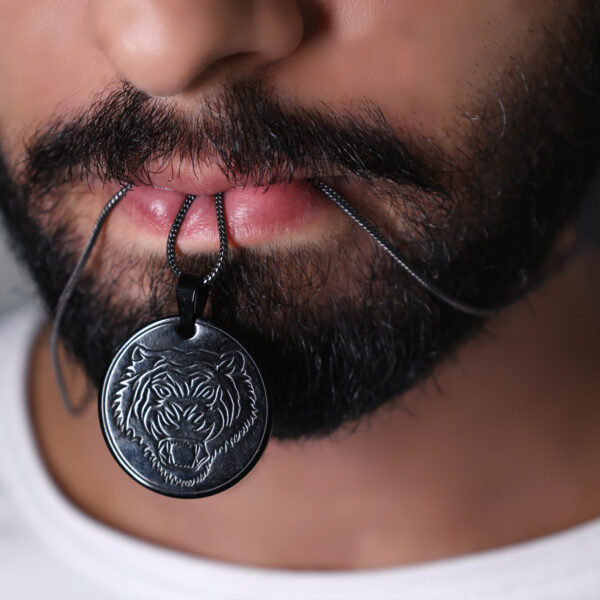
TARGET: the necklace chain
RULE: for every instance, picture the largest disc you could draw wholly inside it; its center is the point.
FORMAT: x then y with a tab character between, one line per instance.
207	279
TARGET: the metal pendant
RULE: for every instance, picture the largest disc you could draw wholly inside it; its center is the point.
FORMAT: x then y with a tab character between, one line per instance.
184	416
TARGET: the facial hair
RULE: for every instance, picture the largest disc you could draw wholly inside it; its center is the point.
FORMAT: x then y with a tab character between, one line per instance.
337	331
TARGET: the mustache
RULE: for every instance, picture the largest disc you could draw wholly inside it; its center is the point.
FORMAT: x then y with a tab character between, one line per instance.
245	131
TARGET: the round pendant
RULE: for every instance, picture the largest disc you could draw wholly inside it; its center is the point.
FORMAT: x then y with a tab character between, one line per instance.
184	417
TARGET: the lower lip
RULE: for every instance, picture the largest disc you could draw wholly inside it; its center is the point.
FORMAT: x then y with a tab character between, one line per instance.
254	215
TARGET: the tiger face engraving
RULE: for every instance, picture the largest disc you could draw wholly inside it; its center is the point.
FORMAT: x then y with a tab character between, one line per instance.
184	408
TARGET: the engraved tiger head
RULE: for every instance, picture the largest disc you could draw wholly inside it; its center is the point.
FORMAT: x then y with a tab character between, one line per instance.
184	408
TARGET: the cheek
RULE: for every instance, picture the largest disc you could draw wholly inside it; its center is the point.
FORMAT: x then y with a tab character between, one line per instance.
47	62
417	60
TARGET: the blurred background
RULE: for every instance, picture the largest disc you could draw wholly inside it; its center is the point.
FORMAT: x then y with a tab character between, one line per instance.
16	289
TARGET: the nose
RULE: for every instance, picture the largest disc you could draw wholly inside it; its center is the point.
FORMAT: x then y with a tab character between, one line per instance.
164	46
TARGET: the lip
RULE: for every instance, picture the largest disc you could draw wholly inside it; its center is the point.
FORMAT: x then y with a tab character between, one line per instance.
255	215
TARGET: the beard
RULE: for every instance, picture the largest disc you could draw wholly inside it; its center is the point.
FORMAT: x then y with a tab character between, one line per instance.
336	330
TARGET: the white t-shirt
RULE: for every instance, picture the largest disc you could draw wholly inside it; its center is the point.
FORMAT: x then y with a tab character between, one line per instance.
50	549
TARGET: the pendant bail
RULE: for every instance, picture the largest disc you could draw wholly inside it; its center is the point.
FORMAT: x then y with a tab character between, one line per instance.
192	296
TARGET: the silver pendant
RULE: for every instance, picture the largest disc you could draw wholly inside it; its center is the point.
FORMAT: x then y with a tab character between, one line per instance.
184	416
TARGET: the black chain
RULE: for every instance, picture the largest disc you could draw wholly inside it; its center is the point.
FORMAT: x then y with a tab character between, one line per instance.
66	294
378	237
223	243
329	192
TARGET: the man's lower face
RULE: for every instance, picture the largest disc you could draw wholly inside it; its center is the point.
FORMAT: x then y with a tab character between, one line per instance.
336	328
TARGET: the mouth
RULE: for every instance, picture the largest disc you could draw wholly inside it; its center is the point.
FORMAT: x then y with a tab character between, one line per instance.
182	453
255	215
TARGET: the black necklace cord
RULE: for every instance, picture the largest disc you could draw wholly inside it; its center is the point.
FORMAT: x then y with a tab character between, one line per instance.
192	289
378	237
66	294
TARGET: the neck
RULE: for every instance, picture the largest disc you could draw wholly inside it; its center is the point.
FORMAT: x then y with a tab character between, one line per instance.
466	461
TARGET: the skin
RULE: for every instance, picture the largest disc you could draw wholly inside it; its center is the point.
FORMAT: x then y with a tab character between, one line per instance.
498	432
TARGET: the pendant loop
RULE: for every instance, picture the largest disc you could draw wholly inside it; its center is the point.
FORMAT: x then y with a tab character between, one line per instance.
192	295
